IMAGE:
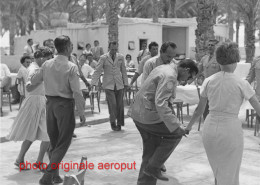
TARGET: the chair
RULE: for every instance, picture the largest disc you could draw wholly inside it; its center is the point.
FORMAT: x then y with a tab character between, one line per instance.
20	82
79	177
96	92
188	108
198	89
3	93
129	91
250	116
178	104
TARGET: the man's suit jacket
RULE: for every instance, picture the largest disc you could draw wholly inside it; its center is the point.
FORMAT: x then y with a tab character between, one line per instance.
97	52
114	72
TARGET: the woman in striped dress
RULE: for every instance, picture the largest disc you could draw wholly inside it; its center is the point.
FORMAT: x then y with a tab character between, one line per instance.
30	123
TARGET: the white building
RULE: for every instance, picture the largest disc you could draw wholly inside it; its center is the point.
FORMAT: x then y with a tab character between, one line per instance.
132	32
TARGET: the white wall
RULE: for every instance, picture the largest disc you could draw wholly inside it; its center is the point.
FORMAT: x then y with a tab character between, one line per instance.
176	35
134	32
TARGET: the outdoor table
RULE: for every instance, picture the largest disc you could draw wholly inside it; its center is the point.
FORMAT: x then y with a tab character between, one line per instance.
188	94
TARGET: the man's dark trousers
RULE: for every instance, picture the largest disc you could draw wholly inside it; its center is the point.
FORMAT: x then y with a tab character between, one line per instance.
60	127
158	144
115	103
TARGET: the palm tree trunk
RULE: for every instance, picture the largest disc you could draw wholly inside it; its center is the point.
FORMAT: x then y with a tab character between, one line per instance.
206	19
88	3
237	29
250	41
12	28
173	9
230	23
155	11
132	2
36	15
165	8
112	19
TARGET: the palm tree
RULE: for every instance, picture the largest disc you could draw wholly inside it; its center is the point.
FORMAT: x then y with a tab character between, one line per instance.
248	10
206	19
112	20
155	11
173	10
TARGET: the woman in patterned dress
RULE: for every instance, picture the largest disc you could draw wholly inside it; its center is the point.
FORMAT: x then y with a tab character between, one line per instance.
30	123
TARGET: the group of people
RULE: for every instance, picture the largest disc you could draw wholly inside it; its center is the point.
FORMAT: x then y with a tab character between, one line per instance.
54	75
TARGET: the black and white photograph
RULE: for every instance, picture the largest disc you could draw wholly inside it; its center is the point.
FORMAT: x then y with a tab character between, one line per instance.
130	92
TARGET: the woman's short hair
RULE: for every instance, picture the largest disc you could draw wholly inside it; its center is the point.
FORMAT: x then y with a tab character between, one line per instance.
88	44
22	60
42	52
128	55
227	53
61	43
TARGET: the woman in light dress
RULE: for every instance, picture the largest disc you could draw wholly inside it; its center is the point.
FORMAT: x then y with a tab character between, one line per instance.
222	133
23	73
30	123
87	50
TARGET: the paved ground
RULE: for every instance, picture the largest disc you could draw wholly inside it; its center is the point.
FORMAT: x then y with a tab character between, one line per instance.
187	165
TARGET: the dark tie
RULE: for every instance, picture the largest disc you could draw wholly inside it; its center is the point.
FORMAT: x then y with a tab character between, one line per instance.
113	58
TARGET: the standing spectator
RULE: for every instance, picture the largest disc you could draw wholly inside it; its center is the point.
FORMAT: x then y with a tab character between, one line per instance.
85	68
167	52
254	75
28	50
62	91
30	123
143	52
23	73
208	66
159	128
153	50
5	78
50	44
129	62
97	51
87	50
93	63
114	81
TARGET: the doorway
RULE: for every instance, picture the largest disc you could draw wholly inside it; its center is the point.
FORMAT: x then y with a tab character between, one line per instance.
141	42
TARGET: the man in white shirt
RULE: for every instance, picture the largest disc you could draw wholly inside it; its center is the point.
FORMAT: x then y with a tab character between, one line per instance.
28	50
85	68
5	77
143	53
91	62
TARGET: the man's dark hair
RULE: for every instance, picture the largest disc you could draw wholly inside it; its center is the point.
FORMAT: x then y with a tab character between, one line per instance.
165	46
46	41
29	40
152	44
61	43
22	60
42	52
88	44
112	43
96	41
188	63
128	55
